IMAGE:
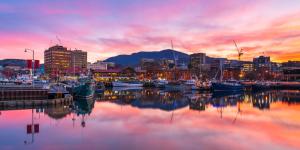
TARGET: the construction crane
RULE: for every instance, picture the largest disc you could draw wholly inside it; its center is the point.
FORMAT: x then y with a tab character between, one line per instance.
240	51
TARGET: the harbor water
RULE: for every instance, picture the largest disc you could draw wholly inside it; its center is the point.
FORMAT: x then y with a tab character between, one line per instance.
157	119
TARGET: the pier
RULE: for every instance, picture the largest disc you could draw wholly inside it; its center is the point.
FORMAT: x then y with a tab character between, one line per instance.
15	104
22	93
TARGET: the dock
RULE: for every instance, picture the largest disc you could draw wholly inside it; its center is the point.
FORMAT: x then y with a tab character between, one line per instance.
15	104
22	93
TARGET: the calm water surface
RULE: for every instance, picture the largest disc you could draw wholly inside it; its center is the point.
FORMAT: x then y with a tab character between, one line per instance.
156	119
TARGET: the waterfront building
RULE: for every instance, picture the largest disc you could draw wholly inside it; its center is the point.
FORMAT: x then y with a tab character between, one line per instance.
197	60
79	61
276	67
247	66
100	65
57	60
61	61
291	70
149	64
107	75
166	64
198	64
262	63
215	67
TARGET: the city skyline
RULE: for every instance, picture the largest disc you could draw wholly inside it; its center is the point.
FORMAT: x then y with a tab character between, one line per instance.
108	28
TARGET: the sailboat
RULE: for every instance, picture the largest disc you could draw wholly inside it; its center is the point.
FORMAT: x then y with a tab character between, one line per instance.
228	86
174	85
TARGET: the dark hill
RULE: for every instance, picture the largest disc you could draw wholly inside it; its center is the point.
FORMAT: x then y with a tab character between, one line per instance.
13	62
134	59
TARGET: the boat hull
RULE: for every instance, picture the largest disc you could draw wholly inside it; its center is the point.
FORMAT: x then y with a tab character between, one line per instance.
122	84
226	87
84	91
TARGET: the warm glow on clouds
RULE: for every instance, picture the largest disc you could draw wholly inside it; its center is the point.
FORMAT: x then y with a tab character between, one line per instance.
106	28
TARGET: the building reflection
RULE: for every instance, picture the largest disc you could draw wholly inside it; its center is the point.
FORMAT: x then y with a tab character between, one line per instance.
168	100
263	100
146	98
57	112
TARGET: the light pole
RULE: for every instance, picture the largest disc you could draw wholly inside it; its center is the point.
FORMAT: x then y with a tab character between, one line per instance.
32	63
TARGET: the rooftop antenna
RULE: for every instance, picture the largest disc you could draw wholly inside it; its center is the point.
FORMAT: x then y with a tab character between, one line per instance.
58	40
240	51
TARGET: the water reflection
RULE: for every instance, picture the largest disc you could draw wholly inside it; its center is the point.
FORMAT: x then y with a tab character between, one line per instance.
168	101
149	118
146	98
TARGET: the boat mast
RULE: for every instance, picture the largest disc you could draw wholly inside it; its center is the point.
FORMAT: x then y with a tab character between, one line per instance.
173	54
74	65
221	70
175	63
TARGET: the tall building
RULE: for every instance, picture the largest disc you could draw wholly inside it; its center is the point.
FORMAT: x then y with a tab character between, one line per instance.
166	64
247	66
262	63
197	59
57	60
61	61
79	61
149	64
198	64
291	70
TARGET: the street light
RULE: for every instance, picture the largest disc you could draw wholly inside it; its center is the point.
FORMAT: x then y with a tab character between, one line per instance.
32	74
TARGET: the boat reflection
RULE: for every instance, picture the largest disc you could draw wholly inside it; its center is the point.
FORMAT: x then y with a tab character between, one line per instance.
83	107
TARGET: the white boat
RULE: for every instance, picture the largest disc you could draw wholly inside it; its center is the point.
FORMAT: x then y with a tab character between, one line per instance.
127	84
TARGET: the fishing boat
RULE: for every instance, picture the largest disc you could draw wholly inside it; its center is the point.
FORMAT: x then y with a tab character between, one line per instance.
230	85
85	89
127	84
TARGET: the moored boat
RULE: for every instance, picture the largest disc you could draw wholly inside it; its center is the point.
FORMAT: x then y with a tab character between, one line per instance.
160	83
230	85
174	86
85	89
127	84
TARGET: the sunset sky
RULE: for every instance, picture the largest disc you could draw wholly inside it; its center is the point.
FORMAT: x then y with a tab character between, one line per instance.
107	28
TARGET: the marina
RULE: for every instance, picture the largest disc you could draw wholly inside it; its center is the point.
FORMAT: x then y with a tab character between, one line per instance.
149	75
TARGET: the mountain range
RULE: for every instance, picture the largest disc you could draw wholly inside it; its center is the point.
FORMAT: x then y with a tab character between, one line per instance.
134	58
14	62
